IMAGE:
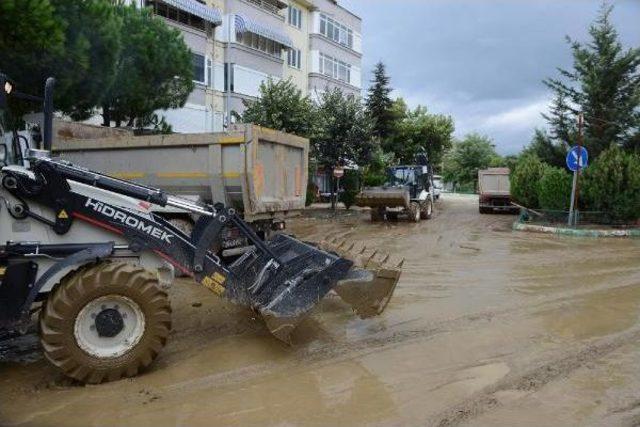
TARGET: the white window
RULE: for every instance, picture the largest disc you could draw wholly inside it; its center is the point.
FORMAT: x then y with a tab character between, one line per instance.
335	68
294	58
263	44
295	17
336	31
199	75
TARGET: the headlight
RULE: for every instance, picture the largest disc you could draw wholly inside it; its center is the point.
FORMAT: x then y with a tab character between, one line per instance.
8	87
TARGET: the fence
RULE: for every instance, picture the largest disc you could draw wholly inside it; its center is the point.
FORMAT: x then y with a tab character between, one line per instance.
585	219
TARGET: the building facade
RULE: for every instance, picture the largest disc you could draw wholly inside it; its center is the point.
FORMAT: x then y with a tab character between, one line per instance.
238	44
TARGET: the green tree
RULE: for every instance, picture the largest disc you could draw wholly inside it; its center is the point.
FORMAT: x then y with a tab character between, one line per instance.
561	121
547	149
345	132
87	69
604	85
379	103
611	185
147	78
466	158
554	189
282	106
525	180
419	131
375	171
31	37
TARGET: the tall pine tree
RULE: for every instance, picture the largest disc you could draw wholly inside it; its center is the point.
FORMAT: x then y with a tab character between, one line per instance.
379	104
604	85
561	119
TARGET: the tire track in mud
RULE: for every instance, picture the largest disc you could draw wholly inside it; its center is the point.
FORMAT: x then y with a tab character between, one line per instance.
332	350
387	341
532	380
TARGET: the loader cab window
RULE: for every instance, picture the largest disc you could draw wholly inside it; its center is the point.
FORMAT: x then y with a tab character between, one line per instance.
405	176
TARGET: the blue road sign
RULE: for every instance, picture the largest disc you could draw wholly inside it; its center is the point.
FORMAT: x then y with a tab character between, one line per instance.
574	154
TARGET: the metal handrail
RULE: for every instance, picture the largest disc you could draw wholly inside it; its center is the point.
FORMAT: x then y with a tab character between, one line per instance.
266	5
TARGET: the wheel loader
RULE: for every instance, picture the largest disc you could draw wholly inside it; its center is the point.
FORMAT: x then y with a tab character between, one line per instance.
85	255
409	191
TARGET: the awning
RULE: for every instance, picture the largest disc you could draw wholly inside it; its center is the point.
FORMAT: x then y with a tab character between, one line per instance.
207	13
244	24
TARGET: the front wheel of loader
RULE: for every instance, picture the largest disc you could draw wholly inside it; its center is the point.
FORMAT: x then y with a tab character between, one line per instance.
414	212
427	211
105	322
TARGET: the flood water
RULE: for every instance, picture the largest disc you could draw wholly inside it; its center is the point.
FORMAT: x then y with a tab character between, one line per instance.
487	327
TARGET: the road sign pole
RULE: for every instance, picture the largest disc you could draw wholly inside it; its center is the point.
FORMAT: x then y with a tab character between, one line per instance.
576	185
573	197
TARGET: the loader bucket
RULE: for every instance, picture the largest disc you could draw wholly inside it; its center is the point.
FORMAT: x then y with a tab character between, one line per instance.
390	197
285	296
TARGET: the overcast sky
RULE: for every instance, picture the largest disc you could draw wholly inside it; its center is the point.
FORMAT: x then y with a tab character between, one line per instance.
481	61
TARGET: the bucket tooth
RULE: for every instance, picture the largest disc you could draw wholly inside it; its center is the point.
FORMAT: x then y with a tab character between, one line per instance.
285	295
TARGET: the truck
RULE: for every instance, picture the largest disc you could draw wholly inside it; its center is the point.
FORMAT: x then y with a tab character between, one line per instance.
494	189
259	172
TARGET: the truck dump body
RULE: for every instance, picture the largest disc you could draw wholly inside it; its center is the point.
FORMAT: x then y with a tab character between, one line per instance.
260	172
495	190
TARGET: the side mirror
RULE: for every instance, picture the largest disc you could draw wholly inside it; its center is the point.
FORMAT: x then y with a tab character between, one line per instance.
3	155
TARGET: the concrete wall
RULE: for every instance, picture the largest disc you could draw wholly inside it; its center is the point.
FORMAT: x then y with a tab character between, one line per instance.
318	43
300	38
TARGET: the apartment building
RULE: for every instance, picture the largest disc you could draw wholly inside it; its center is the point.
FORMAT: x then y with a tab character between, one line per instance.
238	44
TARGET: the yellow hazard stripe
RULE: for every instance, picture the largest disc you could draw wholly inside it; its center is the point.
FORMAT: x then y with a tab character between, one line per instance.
182	175
231	175
127	175
231	140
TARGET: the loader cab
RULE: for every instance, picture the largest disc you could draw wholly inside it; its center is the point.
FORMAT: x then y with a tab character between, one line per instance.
417	178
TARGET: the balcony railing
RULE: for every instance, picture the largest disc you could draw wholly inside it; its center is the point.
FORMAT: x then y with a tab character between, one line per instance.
266	5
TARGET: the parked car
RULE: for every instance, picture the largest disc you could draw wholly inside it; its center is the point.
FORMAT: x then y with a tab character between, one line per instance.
438	186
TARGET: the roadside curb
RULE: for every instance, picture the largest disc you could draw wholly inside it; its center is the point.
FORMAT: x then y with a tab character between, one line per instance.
518	226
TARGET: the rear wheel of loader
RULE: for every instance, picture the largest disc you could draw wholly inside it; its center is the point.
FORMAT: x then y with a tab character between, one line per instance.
427	211
105	322
414	212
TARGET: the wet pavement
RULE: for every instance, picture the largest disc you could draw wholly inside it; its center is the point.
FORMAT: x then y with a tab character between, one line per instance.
488	327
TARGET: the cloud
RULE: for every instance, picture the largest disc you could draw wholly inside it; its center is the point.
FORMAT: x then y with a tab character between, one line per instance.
481	61
517	118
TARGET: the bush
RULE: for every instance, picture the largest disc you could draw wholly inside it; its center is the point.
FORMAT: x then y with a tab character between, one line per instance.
525	179
612	185
312	193
351	186
554	189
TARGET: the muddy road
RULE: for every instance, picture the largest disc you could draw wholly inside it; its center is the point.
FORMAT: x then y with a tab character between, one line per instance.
487	327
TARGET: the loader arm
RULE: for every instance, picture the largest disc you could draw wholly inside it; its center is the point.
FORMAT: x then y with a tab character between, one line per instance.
282	279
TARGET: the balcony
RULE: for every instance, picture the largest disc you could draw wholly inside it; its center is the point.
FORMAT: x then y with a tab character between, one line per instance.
270	6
